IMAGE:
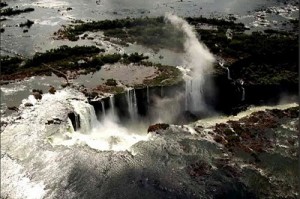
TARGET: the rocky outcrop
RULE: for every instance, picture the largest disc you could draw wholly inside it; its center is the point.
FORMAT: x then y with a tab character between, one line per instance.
255	133
52	90
37	94
157	127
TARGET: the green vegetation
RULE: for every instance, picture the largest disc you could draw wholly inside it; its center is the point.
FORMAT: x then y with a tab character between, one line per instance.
87	58
11	11
111	82
62	53
222	24
3	4
10	65
269	58
264	59
168	75
155	33
151	32
133	58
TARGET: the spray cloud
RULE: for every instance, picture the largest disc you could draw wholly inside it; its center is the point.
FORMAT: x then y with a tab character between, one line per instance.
198	59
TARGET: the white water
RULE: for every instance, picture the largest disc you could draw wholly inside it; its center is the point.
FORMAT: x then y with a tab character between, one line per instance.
103	108
243	90
106	134
227	69
132	104
243	94
228	73
88	119
198	59
112	104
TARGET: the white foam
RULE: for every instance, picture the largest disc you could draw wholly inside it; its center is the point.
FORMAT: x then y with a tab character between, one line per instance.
50	3
10	90
15	184
107	135
206	123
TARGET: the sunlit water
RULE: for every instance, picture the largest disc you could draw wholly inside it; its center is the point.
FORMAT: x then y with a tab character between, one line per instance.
50	15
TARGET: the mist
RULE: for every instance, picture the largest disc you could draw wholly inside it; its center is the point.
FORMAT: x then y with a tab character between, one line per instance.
198	59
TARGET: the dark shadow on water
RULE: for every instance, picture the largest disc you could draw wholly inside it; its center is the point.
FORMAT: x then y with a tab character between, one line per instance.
153	182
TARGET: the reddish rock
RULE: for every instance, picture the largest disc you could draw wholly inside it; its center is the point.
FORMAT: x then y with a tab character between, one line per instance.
156	127
52	90
199	169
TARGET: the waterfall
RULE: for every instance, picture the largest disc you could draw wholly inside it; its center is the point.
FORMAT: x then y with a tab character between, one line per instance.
228	73
198	60
112	104
243	89
243	94
193	94
148	99
103	108
87	118
186	95
131	103
77	121
226	68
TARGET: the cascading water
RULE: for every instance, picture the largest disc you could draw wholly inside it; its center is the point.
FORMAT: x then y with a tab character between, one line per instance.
112	104
132	103
226	68
103	108
243	94
106	134
198	59
243	90
87	115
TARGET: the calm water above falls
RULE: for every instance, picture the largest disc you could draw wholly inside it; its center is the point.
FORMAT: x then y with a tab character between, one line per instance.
50	15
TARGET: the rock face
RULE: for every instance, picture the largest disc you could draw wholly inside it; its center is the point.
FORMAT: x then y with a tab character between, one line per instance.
180	162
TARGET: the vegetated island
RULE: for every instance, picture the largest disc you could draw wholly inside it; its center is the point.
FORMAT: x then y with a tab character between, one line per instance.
12	11
83	60
264	58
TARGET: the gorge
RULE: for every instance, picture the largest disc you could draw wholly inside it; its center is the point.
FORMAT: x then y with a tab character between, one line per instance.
150	107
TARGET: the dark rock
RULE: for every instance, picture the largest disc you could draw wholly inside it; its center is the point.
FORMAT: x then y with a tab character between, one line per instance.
220	139
69	8
38	91
24	31
13	108
111	82
28	104
28	24
65	85
156	127
49	122
54	121
75	119
37	95
199	169
52	90
3	124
